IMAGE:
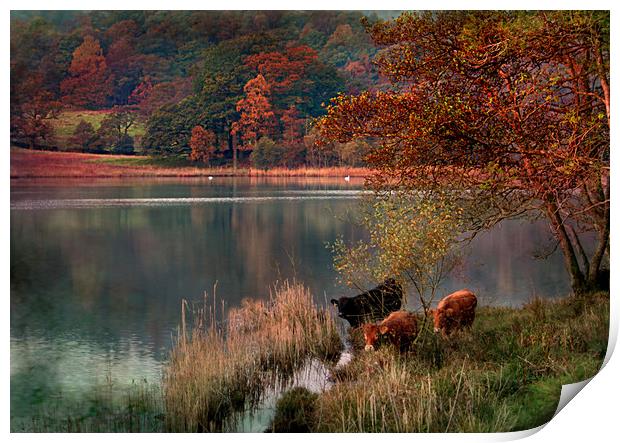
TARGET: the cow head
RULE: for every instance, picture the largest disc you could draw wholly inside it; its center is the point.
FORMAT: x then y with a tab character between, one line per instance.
441	318
389	282
336	303
344	306
372	333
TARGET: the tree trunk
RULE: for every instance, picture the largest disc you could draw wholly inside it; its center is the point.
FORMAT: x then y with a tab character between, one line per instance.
603	237
570	258
598	55
233	146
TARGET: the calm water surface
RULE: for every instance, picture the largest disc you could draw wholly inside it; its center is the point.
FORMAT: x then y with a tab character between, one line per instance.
99	269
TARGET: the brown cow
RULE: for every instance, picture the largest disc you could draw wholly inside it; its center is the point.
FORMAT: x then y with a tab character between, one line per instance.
454	311
399	327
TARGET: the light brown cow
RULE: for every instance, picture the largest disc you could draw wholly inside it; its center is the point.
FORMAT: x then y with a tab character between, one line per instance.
454	311
400	328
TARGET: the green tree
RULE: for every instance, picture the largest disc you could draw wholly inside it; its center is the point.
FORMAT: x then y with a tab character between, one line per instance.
84	135
168	130
114	132
267	154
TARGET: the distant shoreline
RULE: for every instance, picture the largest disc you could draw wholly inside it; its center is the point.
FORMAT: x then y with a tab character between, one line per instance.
34	164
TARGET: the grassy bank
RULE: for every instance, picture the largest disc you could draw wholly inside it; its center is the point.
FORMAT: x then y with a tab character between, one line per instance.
46	164
505	374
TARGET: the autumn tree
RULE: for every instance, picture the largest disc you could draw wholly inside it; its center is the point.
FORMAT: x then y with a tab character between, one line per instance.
257	117
90	82
508	110
292	125
32	110
292	136
283	69
297	78
148	97
203	146
84	135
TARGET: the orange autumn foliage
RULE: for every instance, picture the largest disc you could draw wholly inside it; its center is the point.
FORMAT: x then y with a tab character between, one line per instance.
203	146
257	117
90	82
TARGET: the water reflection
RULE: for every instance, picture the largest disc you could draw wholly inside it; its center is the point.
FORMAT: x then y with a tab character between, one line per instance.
96	287
57	374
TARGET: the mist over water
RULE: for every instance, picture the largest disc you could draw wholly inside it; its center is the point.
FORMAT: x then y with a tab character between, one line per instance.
98	270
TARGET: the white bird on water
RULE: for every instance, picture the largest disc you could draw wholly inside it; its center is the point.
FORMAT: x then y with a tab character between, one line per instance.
347	178
210	177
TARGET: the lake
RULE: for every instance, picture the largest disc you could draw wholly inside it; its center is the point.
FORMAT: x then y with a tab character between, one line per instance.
99	268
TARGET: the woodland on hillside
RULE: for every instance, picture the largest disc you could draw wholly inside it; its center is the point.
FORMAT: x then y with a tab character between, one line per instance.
211	86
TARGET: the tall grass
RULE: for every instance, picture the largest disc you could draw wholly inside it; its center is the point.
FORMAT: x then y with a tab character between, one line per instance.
503	375
218	370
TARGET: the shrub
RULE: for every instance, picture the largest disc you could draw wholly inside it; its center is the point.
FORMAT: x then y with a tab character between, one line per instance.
124	145
295	411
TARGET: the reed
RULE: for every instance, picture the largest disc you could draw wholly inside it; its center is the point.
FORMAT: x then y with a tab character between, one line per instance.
217	370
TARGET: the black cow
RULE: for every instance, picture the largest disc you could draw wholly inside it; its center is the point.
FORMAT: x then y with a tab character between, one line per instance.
372	305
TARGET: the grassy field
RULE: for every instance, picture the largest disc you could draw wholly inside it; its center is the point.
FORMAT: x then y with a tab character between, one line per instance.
67	121
46	164
505	374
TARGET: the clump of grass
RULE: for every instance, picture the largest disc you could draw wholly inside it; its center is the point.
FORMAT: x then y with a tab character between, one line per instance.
504	374
220	369
295	411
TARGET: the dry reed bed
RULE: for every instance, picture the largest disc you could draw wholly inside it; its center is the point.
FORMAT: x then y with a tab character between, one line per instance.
41	164
217	371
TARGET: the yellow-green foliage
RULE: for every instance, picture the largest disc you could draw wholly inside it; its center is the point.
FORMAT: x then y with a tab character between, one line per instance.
221	370
412	237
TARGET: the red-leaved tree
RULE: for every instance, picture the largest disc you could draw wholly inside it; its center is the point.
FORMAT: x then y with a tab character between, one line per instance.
90	82
257	117
203	146
509	111
284	69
